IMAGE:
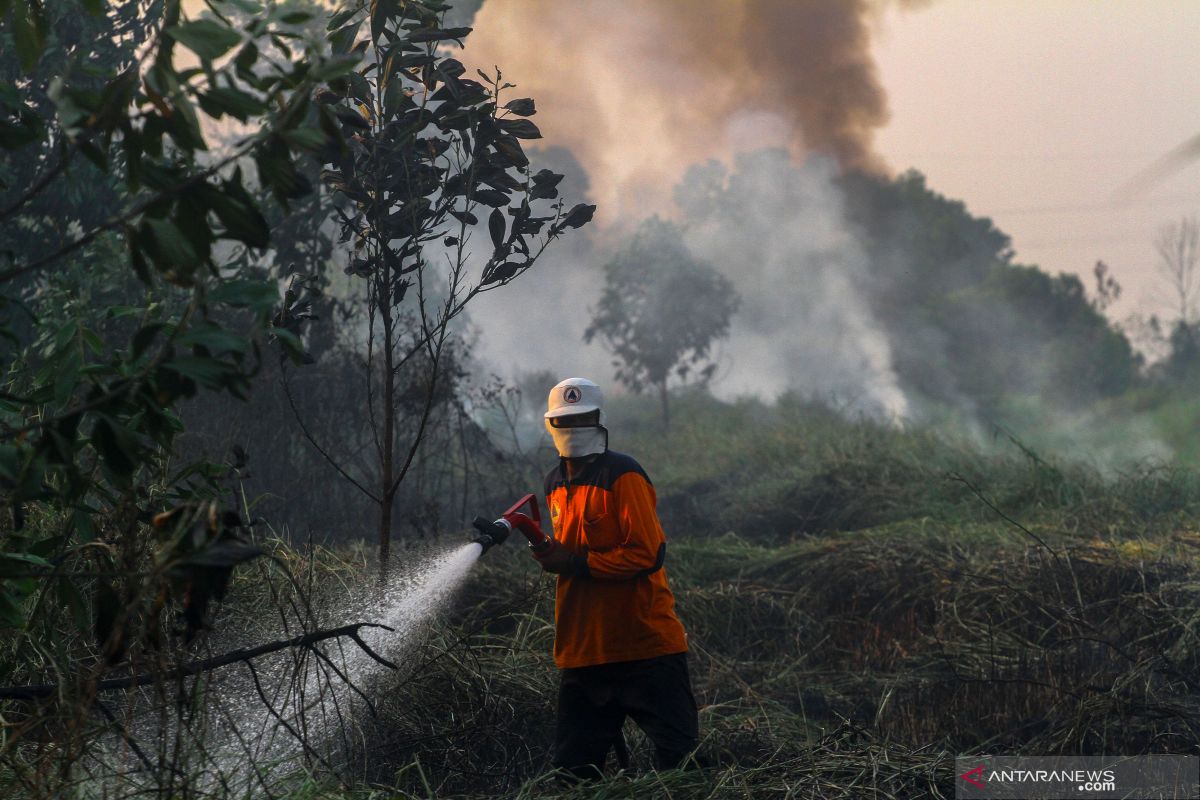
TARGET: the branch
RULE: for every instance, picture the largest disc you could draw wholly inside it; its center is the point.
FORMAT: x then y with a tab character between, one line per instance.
208	664
287	391
975	490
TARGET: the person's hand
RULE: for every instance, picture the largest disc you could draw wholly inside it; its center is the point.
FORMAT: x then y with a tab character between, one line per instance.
559	560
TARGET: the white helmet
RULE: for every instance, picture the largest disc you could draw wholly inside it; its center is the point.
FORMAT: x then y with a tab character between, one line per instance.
572	398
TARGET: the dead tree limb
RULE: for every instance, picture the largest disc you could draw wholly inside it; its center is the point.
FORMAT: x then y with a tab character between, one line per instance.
207	665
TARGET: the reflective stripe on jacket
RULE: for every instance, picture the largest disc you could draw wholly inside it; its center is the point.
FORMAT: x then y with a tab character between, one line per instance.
622	608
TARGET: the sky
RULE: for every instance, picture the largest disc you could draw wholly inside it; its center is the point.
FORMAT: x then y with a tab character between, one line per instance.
1036	112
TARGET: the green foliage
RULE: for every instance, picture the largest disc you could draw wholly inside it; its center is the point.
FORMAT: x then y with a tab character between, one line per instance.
426	148
1028	332
117	209
966	324
662	310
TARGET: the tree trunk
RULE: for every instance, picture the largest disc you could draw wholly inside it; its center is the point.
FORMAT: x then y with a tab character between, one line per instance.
387	494
666	411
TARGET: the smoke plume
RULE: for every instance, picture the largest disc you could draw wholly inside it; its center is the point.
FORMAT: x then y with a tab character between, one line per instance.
639	91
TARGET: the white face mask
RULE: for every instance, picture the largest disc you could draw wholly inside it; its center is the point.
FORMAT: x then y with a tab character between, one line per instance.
578	442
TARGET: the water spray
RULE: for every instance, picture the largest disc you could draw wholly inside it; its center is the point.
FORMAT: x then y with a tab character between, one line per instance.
492	533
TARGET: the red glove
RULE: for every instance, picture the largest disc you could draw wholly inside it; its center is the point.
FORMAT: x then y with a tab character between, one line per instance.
561	561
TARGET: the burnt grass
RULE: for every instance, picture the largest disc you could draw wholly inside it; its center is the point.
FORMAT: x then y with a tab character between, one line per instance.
863	603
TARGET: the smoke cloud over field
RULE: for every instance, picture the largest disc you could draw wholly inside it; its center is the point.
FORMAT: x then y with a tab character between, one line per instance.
654	101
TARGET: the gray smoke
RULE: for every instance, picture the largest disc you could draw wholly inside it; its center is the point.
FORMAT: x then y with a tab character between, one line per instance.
778	231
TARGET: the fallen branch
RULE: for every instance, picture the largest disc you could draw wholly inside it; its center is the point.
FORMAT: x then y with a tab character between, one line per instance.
207	665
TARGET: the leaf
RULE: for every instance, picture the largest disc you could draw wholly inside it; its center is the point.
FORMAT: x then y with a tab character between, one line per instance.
342	17
510	148
520	128
241	218
205	37
578	216
381	12
243	294
340	42
491	197
465	217
496	227
92	340
245	59
13	564
171	249
144	336
352	119
234	102
28	130
437	34
27	34
67	377
502	272
309	139
116	446
523	107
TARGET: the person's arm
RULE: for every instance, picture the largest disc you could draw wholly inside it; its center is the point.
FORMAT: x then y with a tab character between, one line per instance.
643	545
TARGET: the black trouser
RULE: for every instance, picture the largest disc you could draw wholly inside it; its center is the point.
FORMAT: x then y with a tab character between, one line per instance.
594	701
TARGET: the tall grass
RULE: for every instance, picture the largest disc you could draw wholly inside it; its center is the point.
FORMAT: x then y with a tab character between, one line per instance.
863	603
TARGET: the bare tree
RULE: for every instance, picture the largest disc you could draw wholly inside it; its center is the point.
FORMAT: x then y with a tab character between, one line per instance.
1178	246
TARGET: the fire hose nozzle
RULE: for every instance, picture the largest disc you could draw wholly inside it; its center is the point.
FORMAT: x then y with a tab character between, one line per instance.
494	533
490	533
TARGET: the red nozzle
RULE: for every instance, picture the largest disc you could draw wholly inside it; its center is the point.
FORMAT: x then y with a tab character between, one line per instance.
528	524
531	501
531	530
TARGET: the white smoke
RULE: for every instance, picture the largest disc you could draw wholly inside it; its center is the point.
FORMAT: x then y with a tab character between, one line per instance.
774	228
777	230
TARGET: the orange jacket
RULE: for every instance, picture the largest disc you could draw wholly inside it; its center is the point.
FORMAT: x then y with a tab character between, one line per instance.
620	608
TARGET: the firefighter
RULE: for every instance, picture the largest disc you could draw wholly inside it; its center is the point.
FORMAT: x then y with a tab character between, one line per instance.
618	644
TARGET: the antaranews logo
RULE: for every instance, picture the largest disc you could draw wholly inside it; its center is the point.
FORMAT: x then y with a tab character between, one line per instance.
974	776
1020	777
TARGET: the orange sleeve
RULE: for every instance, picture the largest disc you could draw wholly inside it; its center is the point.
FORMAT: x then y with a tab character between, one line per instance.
643	545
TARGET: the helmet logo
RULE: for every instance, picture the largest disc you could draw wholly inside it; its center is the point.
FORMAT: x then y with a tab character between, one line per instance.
572	394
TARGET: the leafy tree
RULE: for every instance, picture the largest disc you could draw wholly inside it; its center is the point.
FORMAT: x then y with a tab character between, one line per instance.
114	188
428	148
966	325
661	311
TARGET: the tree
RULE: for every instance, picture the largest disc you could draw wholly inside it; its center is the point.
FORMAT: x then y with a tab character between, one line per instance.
1178	247
428	148
117	209
661	311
